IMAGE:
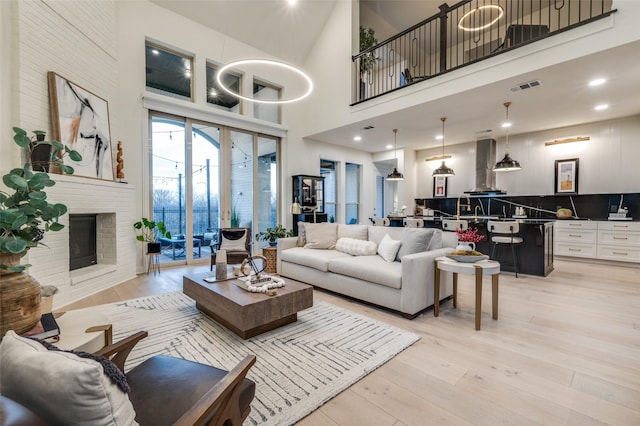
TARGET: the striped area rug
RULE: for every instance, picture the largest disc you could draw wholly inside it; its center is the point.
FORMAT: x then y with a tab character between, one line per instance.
299	366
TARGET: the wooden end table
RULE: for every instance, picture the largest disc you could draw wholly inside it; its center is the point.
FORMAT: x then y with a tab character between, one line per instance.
479	269
247	314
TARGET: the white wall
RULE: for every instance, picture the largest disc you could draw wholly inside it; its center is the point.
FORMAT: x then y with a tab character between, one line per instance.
333	76
607	162
100	46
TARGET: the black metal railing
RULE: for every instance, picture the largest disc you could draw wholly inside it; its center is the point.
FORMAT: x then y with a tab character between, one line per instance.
174	219
439	44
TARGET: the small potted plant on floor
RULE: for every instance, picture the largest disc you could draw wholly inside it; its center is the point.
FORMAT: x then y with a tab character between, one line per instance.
272	234
151	232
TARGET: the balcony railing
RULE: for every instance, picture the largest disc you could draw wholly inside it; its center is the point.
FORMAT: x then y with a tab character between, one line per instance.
462	34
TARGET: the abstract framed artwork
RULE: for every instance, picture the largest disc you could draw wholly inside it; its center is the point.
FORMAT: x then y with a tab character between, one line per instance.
439	186
80	120
566	181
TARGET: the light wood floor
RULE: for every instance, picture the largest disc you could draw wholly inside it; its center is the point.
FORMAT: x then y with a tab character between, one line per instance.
565	350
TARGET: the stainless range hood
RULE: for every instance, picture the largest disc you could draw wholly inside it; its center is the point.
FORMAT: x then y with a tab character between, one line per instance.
485	176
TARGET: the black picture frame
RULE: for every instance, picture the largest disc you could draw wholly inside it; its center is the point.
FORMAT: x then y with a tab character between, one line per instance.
566	176
439	186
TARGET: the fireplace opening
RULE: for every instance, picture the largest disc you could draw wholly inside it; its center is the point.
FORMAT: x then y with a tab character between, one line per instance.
82	241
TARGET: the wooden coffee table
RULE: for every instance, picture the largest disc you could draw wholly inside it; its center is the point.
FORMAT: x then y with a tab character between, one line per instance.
247	314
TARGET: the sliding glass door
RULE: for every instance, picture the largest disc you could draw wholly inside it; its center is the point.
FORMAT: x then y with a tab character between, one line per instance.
232	181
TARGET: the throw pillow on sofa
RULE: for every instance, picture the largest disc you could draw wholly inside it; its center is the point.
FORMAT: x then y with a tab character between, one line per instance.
321	235
60	386
356	247
358	232
388	248
415	240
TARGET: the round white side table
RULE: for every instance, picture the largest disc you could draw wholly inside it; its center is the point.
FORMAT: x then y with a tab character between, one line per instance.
479	269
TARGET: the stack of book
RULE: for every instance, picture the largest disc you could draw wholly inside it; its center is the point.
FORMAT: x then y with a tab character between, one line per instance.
46	328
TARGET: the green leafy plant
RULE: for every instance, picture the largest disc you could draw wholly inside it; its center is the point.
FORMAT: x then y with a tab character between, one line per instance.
367	40
25	213
272	234
235	218
57	152
150	231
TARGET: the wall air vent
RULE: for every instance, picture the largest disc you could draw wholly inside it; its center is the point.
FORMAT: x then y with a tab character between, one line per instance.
527	85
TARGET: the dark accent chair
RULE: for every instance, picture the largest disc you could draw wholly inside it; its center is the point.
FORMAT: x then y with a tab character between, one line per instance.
236	242
168	390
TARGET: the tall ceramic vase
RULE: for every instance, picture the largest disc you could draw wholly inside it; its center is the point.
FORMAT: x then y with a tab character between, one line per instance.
19	298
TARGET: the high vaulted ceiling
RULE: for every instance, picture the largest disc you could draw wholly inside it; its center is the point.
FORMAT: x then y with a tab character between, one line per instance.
563	99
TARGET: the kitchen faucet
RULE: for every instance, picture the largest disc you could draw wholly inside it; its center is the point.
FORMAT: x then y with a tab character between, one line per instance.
467	205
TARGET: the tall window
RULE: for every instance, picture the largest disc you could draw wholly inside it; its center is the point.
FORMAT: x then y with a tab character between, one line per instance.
218	97
379	209
205	177
168	72
263	111
328	170
352	192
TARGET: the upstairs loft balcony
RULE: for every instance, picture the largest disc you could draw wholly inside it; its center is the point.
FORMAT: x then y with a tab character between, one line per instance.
463	34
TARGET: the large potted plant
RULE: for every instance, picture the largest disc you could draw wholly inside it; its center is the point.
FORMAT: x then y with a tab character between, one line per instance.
151	232
272	234
368	60
25	216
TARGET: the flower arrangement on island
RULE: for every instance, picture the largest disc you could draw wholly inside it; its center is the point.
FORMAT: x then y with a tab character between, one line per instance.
469	235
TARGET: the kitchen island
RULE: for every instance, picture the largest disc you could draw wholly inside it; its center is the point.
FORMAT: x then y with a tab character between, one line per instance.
536	250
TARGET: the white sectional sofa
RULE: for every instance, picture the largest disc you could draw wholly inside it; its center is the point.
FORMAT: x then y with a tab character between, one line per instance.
346	259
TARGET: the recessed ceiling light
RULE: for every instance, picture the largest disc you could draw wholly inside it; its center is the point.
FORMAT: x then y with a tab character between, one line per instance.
597	82
439	137
389	146
506	124
357	138
292	2
601	107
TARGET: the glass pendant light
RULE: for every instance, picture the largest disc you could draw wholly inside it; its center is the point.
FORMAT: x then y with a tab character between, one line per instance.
443	170
395	174
507	164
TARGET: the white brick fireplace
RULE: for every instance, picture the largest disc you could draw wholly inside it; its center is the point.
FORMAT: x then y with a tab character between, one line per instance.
114	205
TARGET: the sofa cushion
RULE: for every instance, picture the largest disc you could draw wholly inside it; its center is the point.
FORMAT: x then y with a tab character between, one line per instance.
60	386
369	268
321	235
317	259
388	248
356	247
377	233
358	232
415	240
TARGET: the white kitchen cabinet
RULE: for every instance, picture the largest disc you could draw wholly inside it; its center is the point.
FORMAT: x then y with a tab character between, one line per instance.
576	238
606	240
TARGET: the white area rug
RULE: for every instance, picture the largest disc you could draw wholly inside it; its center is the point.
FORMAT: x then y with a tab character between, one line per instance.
299	366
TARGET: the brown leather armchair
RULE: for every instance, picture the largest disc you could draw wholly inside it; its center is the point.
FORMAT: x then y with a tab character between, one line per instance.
236	242
168	390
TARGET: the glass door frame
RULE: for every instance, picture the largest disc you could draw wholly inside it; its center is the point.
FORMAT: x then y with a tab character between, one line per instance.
224	174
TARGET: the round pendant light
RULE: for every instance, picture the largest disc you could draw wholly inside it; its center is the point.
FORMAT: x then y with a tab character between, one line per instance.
507	164
395	174
266	62
443	170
